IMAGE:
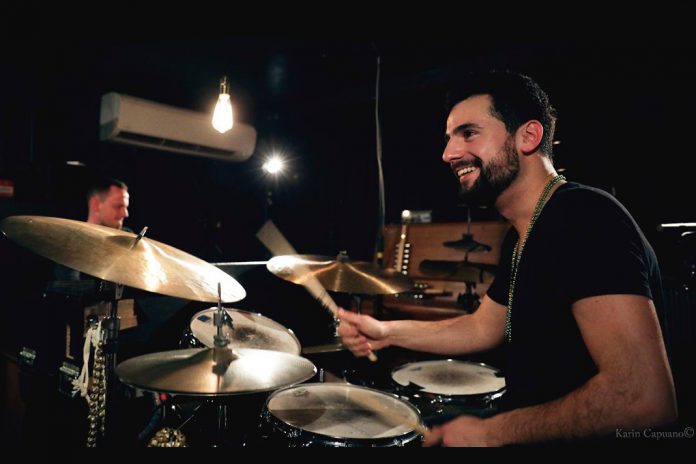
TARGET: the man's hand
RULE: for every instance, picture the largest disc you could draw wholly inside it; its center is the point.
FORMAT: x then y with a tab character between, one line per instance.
361	334
462	431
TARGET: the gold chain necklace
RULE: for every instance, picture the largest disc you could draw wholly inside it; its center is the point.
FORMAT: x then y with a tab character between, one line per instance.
517	253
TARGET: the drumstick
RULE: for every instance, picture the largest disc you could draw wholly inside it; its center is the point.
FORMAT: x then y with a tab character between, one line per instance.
271	237
392	416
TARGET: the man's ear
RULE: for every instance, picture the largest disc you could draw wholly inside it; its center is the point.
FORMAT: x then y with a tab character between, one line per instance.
94	203
529	136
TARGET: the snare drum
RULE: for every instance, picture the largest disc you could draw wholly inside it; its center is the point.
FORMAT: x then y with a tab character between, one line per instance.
337	415
249	330
446	388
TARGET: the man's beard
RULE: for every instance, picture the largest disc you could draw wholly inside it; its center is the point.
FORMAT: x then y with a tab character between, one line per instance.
493	178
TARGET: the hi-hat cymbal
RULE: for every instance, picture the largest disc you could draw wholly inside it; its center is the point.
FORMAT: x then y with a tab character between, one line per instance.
325	348
116	256
467	243
215	371
340	275
458	270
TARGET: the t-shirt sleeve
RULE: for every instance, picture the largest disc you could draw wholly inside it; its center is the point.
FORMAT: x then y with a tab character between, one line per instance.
603	252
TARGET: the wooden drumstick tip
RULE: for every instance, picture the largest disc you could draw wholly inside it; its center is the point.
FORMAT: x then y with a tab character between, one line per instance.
423	430
372	357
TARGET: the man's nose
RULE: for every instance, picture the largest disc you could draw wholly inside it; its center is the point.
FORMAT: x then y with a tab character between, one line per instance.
450	153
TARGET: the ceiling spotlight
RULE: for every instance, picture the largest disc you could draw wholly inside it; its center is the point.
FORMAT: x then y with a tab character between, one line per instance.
274	165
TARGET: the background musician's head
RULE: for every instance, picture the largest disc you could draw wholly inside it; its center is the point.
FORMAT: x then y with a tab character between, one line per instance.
107	202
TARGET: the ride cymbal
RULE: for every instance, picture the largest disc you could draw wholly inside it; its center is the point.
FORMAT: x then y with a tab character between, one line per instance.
118	256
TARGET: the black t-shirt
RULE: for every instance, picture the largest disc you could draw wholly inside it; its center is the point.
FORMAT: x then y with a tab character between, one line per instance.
584	243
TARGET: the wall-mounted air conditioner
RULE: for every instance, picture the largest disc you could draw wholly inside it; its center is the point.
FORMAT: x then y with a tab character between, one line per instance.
135	121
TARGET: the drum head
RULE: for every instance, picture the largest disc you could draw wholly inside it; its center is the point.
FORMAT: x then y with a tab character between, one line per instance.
341	411
449	377
249	330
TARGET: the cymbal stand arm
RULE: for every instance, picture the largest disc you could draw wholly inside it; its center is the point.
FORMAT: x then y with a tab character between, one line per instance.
139	237
220	339
358	302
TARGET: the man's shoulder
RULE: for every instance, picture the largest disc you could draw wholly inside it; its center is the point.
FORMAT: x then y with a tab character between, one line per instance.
579	198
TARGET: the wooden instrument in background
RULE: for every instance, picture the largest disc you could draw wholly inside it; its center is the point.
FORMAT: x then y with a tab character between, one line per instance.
443	273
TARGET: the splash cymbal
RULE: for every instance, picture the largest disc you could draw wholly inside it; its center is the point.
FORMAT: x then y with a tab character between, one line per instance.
340	275
117	256
246	330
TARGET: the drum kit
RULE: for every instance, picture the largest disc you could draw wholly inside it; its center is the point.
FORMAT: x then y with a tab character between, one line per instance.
240	353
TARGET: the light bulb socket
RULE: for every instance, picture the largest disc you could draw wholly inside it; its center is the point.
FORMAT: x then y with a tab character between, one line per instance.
224	86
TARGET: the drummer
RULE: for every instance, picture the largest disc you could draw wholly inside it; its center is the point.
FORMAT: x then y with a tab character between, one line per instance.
575	301
107	205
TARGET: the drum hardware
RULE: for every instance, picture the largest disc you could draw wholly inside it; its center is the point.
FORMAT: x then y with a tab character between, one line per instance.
422	291
469	301
27	357
122	258
215	373
67	375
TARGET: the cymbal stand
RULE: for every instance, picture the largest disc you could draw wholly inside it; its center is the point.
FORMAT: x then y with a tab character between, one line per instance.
223	356
105	381
357	300
470	300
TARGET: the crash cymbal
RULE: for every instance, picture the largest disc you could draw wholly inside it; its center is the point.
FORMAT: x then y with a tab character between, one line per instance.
467	243
458	270
215	371
340	275
116	256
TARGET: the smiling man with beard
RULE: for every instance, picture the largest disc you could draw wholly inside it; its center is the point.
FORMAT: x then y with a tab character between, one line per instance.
573	303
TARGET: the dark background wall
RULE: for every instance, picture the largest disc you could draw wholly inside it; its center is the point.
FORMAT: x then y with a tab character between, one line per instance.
622	127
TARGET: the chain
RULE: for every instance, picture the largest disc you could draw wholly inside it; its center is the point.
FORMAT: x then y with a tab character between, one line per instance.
97	397
517	253
168	438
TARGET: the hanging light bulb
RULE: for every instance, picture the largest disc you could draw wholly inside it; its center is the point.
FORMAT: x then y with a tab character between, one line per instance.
222	116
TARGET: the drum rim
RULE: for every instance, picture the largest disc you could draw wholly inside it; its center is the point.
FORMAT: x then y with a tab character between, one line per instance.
214	308
493	394
411	434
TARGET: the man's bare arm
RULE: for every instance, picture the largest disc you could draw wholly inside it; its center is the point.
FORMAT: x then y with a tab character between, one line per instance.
633	386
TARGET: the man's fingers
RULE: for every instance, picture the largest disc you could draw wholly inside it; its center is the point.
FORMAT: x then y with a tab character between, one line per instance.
433	438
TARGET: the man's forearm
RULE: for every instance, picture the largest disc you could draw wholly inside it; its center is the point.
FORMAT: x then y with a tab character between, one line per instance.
455	336
597	408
